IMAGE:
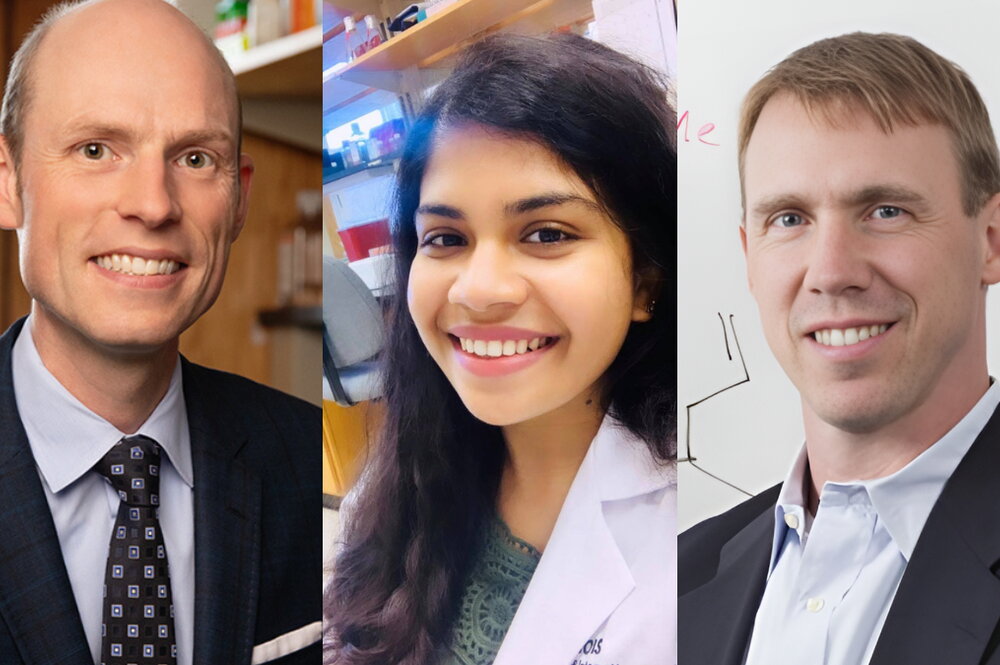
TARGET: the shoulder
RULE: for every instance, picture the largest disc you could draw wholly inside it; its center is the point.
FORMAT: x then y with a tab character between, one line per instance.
238	390
699	547
235	402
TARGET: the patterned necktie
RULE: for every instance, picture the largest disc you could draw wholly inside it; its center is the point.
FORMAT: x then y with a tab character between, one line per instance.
138	622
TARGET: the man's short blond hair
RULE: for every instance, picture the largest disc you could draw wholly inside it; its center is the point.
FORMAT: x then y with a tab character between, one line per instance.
897	81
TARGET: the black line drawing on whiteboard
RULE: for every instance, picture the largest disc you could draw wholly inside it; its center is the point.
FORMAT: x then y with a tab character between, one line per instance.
689	456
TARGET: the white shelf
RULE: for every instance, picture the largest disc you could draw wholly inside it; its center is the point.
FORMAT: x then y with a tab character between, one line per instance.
288	66
280	85
275	51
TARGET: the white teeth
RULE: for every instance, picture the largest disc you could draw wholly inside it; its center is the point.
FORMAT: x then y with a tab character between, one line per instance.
495	348
136	265
848	336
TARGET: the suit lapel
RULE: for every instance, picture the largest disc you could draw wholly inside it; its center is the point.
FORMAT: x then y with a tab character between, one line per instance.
36	601
227	534
947	606
718	616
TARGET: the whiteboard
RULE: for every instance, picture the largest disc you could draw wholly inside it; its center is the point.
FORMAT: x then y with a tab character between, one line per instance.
749	434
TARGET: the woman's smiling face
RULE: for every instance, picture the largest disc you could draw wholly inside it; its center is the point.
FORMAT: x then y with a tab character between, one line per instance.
522	287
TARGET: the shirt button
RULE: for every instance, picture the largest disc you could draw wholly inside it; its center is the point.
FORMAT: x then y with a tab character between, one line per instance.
792	521
814	605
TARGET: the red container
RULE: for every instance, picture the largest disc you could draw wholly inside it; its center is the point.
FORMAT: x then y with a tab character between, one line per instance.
360	240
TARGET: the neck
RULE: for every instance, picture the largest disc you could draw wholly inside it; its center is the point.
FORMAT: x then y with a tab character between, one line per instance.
123	387
543	457
840	456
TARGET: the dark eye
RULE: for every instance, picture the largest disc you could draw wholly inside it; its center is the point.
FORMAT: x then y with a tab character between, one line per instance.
547	236
94	151
788	220
443	240
887	212
196	160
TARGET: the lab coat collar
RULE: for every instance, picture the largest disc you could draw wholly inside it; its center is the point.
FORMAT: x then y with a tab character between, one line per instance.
583	575
626	468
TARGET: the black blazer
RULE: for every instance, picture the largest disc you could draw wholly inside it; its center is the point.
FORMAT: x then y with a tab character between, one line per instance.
258	533
947	606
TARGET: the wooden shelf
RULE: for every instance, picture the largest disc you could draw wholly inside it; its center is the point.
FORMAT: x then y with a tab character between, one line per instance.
441	35
286	67
355	6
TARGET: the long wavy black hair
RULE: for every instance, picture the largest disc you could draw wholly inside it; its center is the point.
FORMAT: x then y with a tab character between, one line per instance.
431	482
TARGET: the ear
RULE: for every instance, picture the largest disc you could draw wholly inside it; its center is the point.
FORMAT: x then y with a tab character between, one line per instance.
646	290
743	244
245	176
990	217
10	202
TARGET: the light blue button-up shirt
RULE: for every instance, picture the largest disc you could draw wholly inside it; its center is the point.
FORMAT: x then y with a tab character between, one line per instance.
67	439
833	577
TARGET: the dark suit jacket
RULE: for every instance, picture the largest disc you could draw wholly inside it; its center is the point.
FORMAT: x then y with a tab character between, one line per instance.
947	606
258	533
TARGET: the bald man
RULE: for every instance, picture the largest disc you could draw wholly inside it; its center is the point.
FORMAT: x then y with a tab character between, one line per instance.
152	511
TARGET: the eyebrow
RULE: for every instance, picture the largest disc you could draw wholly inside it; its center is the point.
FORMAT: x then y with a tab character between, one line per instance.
864	196
198	136
440	210
518	207
545	200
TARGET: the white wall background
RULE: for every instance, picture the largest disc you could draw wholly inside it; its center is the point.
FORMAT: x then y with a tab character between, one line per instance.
748	435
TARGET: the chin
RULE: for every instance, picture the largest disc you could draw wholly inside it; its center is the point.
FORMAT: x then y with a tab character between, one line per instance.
859	416
497	411
134	336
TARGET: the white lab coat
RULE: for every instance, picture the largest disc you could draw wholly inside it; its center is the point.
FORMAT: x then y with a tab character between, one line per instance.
605	590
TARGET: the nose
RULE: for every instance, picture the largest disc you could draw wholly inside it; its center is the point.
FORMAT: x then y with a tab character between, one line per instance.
147	192
487	279
838	258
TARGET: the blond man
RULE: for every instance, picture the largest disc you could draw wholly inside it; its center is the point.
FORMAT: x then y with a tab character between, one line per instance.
871	230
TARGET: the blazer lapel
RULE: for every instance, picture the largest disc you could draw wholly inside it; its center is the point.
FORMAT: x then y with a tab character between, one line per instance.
718	616
227	535
36	601
947	607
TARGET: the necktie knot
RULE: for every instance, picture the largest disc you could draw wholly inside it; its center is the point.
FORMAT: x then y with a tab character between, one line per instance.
132	466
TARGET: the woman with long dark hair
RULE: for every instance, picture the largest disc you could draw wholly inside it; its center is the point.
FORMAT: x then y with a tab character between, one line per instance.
519	504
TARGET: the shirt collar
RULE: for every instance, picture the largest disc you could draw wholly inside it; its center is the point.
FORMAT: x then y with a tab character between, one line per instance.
903	500
67	438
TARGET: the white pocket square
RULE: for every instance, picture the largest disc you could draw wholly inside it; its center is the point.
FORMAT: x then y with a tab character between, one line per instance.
288	643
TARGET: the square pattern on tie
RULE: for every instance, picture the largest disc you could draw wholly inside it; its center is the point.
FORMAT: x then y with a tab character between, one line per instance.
138	612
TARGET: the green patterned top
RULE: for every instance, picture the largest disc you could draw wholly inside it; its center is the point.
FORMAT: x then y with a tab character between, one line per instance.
495	588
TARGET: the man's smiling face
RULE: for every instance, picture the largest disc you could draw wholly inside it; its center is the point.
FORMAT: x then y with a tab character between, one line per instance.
129	188
869	276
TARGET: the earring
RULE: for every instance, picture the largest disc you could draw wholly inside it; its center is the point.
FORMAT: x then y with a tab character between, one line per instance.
651	307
